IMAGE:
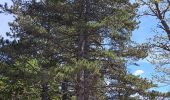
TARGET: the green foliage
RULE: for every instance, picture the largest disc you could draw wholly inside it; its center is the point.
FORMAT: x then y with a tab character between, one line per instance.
63	48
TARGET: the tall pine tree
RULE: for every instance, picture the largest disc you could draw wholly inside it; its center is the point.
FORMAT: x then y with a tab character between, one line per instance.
77	46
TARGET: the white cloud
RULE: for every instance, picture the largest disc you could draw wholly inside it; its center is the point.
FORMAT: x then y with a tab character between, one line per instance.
138	72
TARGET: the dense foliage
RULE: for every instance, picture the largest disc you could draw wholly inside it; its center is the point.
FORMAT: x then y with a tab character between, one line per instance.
70	49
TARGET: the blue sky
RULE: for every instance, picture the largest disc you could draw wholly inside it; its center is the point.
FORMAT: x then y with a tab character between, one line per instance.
140	35
4	19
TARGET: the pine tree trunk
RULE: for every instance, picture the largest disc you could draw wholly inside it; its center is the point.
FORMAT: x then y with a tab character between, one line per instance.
83	90
82	86
83	83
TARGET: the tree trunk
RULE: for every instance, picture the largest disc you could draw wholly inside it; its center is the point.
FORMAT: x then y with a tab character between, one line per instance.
162	20
82	86
82	76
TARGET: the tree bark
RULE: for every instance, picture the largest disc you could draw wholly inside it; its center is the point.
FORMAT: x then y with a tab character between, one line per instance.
82	76
82	86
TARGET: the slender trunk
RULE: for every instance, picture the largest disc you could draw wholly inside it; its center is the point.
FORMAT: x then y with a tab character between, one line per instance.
82	86
162	20
82	76
80	89
83	89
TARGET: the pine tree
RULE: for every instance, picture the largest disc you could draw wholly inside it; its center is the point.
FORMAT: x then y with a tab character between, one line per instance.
75	44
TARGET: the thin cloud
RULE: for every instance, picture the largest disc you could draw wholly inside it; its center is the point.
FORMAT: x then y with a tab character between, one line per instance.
138	72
